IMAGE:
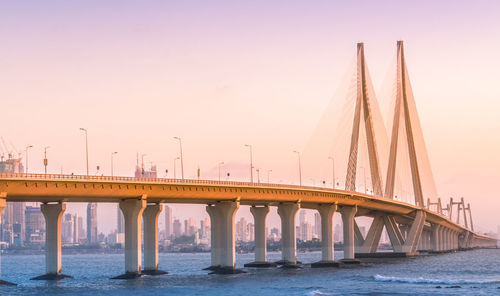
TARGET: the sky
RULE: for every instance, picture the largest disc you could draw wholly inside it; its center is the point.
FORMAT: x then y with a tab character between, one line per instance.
222	74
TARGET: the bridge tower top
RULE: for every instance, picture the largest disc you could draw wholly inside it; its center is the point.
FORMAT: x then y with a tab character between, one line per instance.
363	111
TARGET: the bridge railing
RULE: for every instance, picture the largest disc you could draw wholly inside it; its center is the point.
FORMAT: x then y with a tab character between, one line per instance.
156	180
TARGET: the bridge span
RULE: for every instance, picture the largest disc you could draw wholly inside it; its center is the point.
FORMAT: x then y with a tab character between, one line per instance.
411	228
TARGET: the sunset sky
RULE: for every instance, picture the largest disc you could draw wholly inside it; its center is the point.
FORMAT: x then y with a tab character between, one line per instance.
221	74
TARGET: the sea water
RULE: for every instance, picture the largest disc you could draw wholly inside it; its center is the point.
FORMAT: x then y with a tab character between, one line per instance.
475	272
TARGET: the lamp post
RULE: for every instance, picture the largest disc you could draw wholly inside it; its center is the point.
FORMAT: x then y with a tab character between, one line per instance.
27	147
175	172
112	154
333	171
251	162
268	174
86	148
142	164
300	168
45	160
220	163
182	160
258	175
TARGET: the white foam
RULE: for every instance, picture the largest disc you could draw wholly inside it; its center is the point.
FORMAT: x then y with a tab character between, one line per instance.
421	280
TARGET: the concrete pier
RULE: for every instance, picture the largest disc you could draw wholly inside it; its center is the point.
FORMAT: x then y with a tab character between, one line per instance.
259	216
326	212
150	217
132	212
52	214
287	213
223	251
348	213
3	203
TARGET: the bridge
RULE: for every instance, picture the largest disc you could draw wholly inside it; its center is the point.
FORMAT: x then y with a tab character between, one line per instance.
424	225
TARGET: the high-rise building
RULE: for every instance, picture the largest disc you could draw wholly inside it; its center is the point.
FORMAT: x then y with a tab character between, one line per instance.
81	230
190	227
76	238
205	228
177	228
305	231
250	232
35	226
338	233
241	230
67	228
92	223
120	220
317	225
168	221
302	216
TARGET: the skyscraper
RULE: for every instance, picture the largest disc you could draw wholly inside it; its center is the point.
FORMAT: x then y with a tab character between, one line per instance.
67	228
317	225
168	221
177	228
92	223
76	237
120	220
35	226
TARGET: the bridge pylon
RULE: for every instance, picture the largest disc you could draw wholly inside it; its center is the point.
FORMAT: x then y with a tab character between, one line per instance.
363	110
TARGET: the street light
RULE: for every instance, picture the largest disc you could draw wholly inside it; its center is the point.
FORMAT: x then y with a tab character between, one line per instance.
268	173
251	162
175	160
142	164
220	163
333	171
258	175
300	168
182	160
86	148
27	147
112	153
45	160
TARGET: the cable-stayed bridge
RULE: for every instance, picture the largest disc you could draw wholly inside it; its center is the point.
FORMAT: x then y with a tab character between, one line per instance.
422	224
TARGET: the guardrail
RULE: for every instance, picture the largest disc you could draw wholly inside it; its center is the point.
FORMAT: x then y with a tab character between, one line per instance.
160	180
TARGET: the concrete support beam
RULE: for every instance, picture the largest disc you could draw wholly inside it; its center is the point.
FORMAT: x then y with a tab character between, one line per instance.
52	214
348	213
414	233
223	253
132	213
214	240
287	213
370	243
3	203
435	237
150	217
259	217
395	235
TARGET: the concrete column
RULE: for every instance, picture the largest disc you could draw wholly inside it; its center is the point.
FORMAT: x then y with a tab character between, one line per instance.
259	216
214	240
288	212
348	214
226	211
435	237
326	212
52	214
3	203
150	216
132	212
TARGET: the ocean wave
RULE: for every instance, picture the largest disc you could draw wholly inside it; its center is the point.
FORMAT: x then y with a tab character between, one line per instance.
316	292
421	280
